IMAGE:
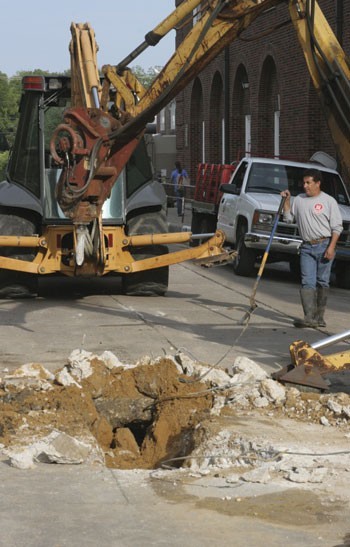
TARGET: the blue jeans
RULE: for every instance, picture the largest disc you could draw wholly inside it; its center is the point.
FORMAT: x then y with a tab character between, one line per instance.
315	269
179	203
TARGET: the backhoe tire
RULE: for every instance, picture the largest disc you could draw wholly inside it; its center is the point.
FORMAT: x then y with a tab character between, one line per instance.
342	275
149	282
244	262
14	284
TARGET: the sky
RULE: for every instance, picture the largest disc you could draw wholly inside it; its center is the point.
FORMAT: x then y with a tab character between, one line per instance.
36	34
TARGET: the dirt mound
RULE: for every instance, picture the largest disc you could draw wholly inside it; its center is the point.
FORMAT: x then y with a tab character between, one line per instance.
138	416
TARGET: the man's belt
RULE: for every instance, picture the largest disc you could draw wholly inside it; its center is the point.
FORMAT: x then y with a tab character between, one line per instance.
315	241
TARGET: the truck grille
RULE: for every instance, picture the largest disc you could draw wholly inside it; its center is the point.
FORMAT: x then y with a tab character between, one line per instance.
287	229
345	235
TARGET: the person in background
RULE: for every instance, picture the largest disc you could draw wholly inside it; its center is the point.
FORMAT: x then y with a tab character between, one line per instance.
178	178
319	221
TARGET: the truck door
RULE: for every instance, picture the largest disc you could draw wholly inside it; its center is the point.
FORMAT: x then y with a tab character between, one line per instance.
228	204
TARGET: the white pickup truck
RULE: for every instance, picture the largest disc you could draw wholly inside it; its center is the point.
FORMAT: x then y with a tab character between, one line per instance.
248	206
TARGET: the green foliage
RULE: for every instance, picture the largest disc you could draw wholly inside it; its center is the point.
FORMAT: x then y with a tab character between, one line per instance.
146	77
3	163
9	100
10	96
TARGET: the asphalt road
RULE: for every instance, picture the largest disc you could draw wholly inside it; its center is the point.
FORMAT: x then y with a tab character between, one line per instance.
200	313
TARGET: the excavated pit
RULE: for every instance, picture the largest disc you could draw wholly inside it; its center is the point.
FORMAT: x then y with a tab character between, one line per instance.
139	416
99	410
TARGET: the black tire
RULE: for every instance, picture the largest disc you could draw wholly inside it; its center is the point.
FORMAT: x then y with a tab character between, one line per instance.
244	263
15	284
202	224
342	275
149	282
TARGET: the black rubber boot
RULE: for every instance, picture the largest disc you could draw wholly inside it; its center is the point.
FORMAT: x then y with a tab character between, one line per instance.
308	300
322	295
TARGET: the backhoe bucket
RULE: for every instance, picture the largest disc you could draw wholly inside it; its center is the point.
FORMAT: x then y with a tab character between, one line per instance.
219	260
309	367
302	375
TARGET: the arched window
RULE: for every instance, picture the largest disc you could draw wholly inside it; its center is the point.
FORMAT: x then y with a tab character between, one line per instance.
216	121
241	116
269	110
197	136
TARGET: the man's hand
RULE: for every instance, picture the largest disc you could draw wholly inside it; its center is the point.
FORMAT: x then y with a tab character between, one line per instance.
330	253
286	194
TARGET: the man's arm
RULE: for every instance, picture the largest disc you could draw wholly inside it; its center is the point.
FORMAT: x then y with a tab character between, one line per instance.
336	226
287	213
330	251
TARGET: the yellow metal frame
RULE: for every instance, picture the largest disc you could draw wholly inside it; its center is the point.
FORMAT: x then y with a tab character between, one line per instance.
220	23
52	258
334	57
302	354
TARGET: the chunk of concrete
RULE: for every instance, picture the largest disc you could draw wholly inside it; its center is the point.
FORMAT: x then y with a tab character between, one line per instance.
245	365
123	411
260	475
307	475
110	360
272	390
79	362
31	375
65	379
58	447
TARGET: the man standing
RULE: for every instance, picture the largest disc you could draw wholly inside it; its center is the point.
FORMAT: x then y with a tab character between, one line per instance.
179	179
320	223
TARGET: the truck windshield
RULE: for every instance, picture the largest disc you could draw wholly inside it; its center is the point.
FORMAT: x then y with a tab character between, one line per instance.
272	178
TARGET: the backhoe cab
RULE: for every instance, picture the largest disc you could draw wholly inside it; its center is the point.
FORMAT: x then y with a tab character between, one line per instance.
38	237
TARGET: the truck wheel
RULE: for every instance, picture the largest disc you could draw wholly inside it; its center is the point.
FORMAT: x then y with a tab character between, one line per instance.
245	260
15	284
149	282
342	275
202	224
195	228
294	268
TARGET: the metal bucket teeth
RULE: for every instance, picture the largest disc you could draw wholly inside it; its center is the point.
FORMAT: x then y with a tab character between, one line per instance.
217	260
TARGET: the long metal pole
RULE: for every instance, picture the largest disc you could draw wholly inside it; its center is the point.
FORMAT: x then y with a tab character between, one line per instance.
262	265
331	340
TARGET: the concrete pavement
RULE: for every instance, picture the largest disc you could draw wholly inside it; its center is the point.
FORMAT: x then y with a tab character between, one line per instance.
64	505
60	506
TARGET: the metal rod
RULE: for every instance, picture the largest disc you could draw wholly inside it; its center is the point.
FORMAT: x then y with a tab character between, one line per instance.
95	97
201	236
331	340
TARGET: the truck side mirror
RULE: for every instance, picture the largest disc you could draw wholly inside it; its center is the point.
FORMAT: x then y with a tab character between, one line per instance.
230	189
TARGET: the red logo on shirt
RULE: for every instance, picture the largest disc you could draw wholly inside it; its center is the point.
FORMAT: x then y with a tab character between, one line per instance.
318	207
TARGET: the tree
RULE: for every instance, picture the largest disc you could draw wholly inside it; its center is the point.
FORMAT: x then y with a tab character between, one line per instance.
3	163
146	77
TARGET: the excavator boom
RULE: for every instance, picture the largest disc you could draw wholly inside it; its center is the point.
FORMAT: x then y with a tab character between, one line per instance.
93	145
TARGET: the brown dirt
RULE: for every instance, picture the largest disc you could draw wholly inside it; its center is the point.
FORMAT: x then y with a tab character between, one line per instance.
139	416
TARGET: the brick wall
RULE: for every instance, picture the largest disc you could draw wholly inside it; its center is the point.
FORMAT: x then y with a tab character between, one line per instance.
273	66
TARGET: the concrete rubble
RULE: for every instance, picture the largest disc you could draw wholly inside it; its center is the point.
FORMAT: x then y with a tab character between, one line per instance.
208	446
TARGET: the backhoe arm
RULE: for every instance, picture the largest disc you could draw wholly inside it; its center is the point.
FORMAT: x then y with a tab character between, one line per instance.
95	141
329	69
99	136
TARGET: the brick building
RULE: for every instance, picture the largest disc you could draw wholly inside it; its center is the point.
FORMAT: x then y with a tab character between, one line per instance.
257	96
